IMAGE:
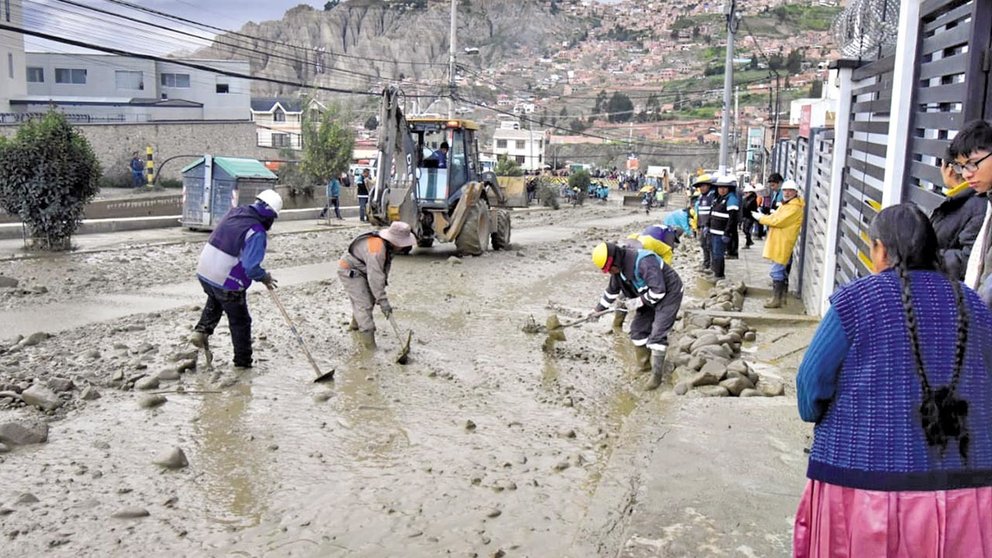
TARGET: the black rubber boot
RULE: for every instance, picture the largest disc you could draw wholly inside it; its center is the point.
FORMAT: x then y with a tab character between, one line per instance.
778	295
657	370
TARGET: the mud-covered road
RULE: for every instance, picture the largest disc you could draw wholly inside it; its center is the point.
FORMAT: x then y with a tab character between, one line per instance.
482	446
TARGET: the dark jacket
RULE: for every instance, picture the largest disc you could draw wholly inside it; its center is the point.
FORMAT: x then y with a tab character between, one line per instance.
958	221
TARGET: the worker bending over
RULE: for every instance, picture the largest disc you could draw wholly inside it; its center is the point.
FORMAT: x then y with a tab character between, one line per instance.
654	294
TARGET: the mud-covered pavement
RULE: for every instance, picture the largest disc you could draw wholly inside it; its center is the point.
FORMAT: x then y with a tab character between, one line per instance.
482	446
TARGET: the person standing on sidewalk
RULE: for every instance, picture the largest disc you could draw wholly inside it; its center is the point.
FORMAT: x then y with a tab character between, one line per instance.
230	261
333	195
897	380
749	207
724	216
364	274
971	150
704	206
137	171
783	232
653	292
362	184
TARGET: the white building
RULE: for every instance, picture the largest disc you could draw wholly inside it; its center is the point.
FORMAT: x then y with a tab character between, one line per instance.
110	88
13	82
279	121
526	147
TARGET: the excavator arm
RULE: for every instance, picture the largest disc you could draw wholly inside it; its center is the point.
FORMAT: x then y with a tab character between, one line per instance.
392	197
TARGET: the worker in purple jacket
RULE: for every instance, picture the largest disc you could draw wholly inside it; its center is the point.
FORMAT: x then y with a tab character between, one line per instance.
230	261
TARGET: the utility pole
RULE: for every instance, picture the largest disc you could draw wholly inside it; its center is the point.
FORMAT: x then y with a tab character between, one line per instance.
737	128
730	9
451	61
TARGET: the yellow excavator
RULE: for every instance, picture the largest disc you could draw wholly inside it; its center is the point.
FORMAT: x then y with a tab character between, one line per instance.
430	177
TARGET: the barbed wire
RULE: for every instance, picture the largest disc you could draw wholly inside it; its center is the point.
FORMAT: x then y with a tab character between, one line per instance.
867	29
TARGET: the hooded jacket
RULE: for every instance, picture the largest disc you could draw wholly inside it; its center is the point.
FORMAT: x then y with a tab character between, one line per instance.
957	222
783	230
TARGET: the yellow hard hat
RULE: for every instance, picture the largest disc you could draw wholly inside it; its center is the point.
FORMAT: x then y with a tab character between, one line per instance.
703	179
603	255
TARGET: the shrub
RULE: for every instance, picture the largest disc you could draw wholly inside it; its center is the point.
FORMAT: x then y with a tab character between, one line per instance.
48	173
580	180
547	193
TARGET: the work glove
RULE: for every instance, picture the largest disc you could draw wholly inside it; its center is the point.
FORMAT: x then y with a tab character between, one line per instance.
634	303
269	281
387	310
757	215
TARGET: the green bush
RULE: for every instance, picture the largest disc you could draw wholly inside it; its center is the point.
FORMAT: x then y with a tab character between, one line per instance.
507	167
579	181
48	173
547	194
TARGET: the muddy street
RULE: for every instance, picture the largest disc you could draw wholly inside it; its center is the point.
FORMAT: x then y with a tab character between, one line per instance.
483	445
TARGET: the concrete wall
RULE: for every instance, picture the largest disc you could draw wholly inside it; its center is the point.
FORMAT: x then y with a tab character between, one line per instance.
114	143
12	76
101	79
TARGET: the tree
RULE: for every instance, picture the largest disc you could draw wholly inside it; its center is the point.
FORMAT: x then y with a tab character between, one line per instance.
579	181
601	99
620	107
776	62
794	62
328	144
578	126
507	167
48	173
331	4
372	123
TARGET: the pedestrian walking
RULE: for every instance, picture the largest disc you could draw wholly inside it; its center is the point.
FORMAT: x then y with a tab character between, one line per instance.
364	274
971	150
704	205
333	195
897	381
783	232
653	291
724	217
362	184
137	171
230	261
749	206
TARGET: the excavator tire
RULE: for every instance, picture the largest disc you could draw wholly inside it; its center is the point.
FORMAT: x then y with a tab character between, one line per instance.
474	236
501	233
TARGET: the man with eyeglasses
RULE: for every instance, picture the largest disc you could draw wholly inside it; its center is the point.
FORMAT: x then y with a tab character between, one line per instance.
957	220
970	152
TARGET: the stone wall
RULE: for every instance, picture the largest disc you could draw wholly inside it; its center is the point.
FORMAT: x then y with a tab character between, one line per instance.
115	143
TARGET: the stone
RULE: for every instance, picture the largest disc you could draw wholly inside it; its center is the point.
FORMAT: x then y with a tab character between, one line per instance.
8	282
454	260
715	368
146	383
750	336
696	362
681	388
323	396
145	348
4	448
27	498
699	320
737	366
705	340
720	351
738	300
92	354
771	388
469	425
186	366
722	322
713	391
173	458
736	385
59	385
130	512
23	433
704	379
34	339
168	374
152	401
41	397
750	393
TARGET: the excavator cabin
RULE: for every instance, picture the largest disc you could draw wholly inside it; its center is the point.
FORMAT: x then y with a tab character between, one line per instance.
443	174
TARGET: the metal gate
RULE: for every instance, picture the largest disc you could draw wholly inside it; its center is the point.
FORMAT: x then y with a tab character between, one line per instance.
811	248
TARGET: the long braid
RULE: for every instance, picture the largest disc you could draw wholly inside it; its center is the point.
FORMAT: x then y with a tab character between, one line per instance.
962	340
914	337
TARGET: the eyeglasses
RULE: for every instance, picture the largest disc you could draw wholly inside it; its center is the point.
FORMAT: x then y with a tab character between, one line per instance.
970	166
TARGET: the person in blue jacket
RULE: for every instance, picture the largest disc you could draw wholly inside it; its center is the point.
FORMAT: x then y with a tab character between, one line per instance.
333	195
230	261
678	220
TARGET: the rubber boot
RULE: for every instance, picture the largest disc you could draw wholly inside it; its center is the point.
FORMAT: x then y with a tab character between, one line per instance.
643	355
353	326
778	295
657	370
368	339
618	319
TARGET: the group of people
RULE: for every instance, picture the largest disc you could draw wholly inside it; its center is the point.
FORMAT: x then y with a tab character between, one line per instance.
333	192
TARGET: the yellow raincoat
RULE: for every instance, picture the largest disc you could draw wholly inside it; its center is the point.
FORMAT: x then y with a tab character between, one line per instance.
783	230
655	245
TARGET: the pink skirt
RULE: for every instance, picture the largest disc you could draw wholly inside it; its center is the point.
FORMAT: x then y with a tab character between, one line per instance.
839	522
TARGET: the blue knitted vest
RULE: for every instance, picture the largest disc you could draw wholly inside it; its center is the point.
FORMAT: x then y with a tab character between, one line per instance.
871	436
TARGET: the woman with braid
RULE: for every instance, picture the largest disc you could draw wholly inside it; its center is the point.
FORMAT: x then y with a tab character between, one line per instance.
898	379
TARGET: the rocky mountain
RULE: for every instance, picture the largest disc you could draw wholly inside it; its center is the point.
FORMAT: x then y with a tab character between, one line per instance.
363	44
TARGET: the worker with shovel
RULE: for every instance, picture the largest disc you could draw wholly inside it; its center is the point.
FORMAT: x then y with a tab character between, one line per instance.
364	274
654	293
230	261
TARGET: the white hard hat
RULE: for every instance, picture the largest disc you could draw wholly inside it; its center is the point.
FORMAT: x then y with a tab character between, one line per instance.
272	199
790	185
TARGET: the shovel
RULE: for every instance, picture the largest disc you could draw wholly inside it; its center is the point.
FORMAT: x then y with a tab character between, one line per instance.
554	326
404	355
321	376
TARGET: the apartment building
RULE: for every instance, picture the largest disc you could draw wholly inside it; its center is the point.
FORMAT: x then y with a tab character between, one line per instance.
279	121
526	147
13	81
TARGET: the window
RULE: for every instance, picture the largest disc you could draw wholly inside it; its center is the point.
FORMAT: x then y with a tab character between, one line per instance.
521	144
36	75
6	9
520	159
175	80
540	144
129	80
10	65
223	88
280	140
70	75
279	116
500	144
